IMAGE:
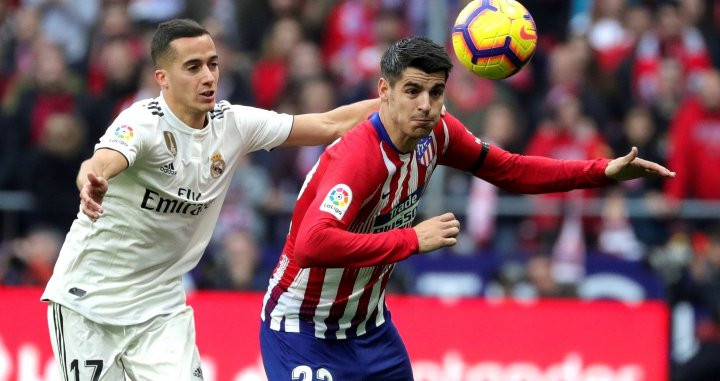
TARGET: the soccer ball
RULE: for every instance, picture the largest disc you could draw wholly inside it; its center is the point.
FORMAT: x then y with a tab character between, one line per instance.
494	38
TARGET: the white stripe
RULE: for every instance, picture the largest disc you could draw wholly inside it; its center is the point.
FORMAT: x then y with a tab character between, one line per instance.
413	183
406	159
380	318
351	309
292	301
274	280
331	283
374	298
447	137
391	169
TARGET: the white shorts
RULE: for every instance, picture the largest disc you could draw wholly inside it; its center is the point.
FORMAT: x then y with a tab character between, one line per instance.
162	348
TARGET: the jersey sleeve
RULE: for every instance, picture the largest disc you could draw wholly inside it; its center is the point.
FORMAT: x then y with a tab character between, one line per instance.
261	129
517	173
125	135
323	238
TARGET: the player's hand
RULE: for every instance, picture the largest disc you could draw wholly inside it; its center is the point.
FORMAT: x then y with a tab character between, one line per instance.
631	167
91	196
437	232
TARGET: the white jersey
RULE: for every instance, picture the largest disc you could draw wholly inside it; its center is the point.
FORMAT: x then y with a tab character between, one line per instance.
159	213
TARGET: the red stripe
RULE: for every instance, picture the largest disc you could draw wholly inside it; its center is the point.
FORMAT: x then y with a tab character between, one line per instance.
313	290
347	283
362	307
381	299
287	278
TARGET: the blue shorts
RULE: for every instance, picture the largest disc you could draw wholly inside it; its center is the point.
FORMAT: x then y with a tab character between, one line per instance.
377	355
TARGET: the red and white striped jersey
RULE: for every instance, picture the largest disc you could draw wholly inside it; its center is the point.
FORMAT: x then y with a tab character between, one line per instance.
354	215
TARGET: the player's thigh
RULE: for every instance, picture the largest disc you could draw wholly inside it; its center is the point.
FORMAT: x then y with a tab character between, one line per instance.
294	356
384	354
84	350
164	349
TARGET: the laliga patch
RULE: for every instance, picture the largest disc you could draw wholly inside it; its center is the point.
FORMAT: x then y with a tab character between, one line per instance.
337	201
124	132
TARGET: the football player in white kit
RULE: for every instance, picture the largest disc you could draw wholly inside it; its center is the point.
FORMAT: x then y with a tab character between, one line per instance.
150	197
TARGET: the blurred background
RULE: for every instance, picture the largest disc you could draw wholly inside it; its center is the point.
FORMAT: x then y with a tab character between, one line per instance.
608	75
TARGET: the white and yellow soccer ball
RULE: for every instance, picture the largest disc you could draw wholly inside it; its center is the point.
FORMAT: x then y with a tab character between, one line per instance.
494	38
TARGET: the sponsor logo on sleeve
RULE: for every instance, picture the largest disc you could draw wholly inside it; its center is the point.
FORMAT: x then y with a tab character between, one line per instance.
337	201
122	135
124	132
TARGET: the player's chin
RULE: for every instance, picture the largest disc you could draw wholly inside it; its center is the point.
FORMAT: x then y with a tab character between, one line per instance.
424	127
207	105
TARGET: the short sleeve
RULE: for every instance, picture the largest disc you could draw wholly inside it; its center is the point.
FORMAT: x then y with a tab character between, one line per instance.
125	136
261	129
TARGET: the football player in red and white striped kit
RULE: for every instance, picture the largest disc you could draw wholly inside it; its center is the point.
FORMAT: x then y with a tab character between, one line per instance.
324	314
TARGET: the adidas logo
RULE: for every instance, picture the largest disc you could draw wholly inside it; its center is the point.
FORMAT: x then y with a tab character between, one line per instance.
168	169
198	373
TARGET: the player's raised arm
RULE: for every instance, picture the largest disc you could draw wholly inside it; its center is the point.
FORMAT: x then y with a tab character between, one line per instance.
536	174
323	128
92	179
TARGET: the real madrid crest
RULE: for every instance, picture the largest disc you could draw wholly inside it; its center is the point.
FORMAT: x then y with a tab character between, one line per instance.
217	167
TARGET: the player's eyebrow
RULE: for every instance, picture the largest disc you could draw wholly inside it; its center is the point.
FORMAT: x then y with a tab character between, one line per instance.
411	83
198	61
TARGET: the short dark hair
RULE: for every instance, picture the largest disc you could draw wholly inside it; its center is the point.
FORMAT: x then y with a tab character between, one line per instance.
416	52
169	31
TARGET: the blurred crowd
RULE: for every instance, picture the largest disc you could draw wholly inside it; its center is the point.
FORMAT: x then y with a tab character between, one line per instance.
608	75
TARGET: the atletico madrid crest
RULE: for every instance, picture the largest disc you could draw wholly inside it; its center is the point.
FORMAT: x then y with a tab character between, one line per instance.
424	151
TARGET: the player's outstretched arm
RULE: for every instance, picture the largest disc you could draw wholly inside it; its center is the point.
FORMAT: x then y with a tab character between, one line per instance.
324	128
437	232
630	167
92	179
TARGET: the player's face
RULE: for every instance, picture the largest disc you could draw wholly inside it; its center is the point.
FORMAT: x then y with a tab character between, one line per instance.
414	101
189	78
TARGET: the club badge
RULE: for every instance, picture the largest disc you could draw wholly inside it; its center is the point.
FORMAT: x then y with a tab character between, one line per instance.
217	167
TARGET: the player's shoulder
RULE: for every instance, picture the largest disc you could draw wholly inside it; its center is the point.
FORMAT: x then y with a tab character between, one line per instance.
222	110
448	120
226	110
144	113
361	139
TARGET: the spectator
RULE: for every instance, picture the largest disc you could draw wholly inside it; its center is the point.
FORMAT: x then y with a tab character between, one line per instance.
52	88
114	28
271	71
608	36
500	127
539	270
701	287
51	168
695	141
672	38
232	264
28	261
640	130
67	23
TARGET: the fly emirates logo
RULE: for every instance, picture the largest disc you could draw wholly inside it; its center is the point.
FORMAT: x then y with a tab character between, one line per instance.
186	203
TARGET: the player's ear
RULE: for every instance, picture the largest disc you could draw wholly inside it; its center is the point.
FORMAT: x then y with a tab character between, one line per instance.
383	89
161	78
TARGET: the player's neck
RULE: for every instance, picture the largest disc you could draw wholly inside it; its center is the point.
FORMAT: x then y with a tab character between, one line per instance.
186	115
401	141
